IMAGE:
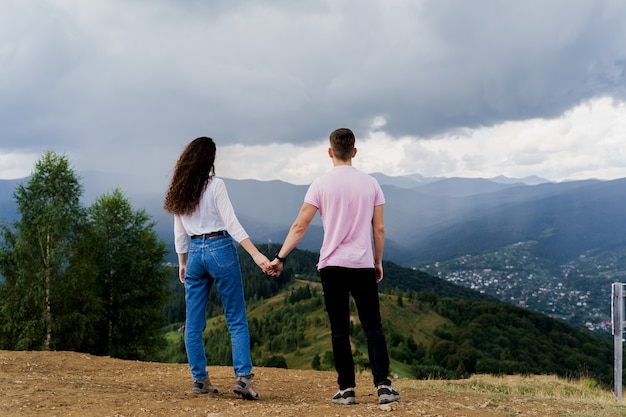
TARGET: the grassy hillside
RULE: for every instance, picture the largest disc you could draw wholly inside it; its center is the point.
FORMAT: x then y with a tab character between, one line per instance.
431	333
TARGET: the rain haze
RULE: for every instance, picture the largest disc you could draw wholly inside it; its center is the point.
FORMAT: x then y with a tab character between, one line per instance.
436	88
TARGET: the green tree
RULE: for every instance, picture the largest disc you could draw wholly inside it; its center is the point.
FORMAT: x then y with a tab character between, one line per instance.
276	361
46	298
316	363
328	360
131	281
400	300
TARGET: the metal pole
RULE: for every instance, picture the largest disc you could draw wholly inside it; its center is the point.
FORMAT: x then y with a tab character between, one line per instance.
618	329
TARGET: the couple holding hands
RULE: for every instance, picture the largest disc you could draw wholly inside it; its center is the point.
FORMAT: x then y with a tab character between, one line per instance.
206	228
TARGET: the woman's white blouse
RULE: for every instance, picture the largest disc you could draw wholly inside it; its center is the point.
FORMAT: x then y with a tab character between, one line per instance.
214	213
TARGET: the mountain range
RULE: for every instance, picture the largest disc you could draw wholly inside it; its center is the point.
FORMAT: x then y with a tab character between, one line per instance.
426	219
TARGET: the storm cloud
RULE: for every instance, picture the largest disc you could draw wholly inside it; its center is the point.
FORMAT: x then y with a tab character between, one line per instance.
118	84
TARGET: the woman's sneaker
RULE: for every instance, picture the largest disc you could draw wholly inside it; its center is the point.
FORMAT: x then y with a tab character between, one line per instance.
345	397
244	388
203	387
387	395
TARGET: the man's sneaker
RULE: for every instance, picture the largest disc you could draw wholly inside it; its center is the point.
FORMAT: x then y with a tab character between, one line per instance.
203	387
387	395
244	388
345	397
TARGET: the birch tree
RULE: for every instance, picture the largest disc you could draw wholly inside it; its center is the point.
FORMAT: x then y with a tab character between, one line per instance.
39	260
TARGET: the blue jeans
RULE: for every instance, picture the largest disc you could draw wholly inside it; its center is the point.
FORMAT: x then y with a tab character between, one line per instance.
214	260
339	283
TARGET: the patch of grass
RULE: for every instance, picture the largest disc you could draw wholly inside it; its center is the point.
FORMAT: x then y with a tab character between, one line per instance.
573	397
419	323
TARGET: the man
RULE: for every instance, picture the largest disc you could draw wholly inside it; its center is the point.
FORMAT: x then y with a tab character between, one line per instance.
351	207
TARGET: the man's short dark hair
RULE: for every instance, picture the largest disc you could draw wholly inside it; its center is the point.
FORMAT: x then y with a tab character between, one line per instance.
342	143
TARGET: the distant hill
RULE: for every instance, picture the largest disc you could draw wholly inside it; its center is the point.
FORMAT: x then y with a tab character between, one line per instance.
463	187
531	180
426	219
7	202
566	222
416	180
404	181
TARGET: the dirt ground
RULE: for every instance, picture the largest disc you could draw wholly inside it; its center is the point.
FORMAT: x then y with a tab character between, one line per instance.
76	384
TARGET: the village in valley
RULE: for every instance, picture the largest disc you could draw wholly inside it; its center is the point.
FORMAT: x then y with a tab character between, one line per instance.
578	292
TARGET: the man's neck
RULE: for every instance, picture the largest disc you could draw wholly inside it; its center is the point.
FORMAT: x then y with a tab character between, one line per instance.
339	162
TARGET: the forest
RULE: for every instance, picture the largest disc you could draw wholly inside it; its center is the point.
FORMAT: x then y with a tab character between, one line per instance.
88	279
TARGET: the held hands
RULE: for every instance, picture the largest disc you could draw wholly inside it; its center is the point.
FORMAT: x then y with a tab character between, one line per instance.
272	269
262	261
276	268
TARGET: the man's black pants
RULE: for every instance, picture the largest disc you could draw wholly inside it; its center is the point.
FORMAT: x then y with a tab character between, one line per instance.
339	283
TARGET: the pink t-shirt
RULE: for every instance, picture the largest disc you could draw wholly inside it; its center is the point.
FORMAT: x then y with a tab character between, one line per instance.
345	198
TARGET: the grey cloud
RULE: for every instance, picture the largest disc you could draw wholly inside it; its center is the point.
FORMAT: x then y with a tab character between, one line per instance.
261	72
512	61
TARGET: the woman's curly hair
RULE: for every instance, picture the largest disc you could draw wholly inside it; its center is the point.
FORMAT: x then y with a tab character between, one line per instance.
193	171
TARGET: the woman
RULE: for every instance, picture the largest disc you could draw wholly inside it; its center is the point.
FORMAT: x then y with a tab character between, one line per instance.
205	226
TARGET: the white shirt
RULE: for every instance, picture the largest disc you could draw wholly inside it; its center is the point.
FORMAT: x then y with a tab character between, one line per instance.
213	213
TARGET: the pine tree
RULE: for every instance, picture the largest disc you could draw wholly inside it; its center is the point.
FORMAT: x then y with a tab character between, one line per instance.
132	280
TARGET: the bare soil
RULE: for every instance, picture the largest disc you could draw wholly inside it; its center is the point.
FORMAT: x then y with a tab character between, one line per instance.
76	384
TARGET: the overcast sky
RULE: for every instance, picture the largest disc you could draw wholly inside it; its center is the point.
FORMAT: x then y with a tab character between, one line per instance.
438	88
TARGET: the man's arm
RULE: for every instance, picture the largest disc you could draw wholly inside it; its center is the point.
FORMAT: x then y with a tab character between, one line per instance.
296	233
378	230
